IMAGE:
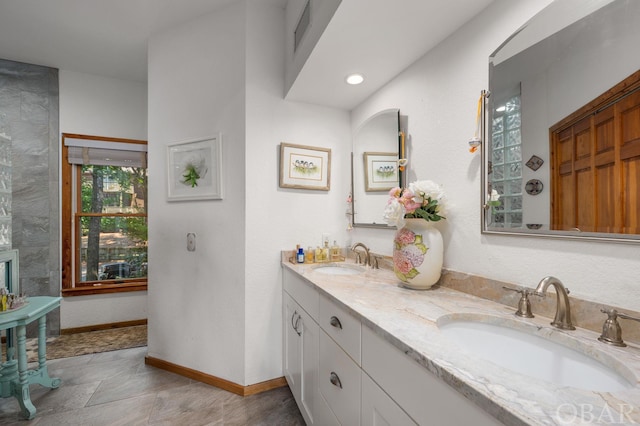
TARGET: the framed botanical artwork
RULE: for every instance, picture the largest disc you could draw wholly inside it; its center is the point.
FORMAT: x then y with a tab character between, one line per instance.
305	167
380	171
194	169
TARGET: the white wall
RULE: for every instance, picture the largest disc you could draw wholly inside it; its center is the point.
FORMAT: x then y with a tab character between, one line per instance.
102	106
439	94
218	310
320	14
276	218
196	299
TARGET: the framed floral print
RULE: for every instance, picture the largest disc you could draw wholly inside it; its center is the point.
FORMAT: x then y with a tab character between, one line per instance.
194	169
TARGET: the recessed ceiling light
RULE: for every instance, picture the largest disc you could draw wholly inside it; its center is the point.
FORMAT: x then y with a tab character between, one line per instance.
354	78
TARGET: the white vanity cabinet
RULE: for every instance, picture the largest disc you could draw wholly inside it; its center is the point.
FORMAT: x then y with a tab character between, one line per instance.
341	373
301	350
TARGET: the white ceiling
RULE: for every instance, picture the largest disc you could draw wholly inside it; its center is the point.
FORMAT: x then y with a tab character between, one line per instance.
379	38
105	37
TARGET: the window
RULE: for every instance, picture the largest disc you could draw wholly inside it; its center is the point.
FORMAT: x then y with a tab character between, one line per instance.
104	215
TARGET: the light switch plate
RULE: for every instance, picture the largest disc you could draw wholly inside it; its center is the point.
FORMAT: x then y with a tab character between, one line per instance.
191	241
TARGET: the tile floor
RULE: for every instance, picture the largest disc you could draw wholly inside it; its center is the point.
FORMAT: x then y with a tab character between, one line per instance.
117	388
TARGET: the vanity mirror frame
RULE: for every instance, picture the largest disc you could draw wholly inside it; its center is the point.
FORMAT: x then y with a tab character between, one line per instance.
401	148
487	105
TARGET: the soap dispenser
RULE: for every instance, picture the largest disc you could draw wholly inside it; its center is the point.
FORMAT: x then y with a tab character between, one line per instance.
300	255
325	251
335	252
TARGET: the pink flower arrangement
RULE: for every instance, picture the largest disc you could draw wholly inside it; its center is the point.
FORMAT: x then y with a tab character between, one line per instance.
423	199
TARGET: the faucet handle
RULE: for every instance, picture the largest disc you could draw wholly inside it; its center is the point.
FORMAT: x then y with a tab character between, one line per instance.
627	316
524	305
611	330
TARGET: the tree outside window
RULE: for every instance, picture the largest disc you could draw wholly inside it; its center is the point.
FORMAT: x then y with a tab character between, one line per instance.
104	215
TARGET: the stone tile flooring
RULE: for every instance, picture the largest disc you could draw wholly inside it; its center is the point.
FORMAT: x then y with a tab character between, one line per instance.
117	388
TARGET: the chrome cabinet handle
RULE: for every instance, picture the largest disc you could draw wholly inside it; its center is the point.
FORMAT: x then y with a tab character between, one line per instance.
295	325
335	322
335	380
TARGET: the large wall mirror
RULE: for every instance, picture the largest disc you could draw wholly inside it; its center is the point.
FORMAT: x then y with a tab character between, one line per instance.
562	147
374	167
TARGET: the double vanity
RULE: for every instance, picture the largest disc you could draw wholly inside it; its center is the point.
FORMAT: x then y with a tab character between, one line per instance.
360	349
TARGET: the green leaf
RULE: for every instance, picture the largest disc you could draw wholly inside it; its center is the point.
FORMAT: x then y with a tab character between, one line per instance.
191	176
413	273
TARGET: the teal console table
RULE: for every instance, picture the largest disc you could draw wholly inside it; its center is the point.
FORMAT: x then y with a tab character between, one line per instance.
15	378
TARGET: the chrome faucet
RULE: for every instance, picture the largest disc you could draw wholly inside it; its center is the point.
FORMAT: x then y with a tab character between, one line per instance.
563	309
367	256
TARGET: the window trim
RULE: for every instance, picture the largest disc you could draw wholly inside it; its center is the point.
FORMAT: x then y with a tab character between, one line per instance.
67	223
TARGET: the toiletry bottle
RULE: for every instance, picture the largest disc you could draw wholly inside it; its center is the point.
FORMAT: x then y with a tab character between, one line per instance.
308	255
318	254
300	255
325	251
335	252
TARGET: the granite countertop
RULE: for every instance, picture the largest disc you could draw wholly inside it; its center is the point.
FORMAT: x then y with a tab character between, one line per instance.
409	320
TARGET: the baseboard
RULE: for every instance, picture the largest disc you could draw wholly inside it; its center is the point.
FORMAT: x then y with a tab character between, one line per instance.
216	381
99	327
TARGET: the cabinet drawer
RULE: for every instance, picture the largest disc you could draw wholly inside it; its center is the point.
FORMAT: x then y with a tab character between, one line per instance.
425	397
343	327
302	292
339	380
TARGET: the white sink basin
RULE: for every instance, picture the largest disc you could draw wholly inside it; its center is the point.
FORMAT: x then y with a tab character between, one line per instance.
338	269
514	345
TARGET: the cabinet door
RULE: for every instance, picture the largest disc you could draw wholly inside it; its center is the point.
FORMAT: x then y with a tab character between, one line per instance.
308	329
300	363
292	361
378	409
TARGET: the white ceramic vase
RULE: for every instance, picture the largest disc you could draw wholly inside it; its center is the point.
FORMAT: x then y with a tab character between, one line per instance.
417	254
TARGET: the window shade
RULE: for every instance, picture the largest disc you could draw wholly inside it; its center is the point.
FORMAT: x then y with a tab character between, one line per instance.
102	153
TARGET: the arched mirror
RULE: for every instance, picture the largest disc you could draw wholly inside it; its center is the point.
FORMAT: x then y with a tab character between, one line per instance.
562	152
374	167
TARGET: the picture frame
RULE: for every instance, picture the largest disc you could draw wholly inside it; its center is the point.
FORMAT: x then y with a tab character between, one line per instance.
194	169
380	171
305	167
9	271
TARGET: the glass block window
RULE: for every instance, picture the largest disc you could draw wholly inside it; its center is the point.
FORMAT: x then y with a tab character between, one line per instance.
5	192
506	164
